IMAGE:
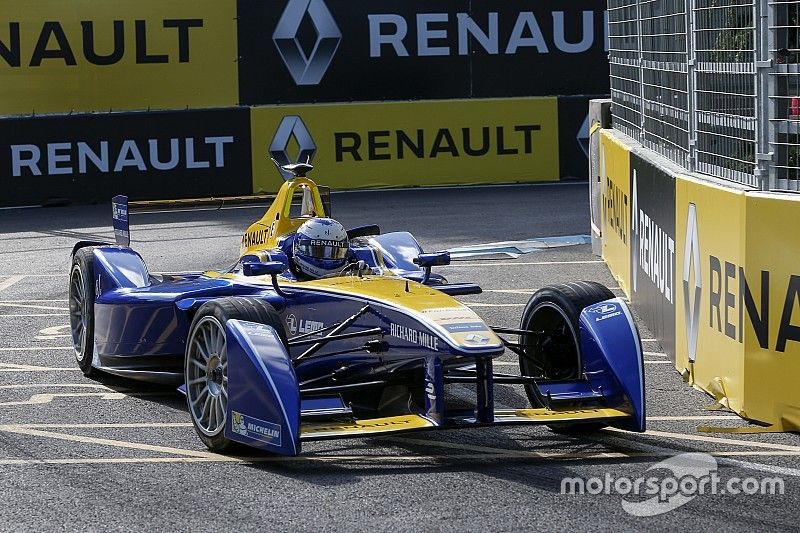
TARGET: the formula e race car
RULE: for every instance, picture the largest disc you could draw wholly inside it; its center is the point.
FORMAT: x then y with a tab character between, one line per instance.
269	360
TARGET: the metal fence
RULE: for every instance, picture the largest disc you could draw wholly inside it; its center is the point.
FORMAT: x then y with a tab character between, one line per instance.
784	30
713	85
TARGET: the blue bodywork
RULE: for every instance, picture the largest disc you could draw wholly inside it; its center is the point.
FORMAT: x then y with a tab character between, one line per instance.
264	405
142	321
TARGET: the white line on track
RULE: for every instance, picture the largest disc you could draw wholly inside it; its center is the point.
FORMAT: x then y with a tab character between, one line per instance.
33	315
26	368
104	461
112	425
54	300
40	399
480	304
31	306
511	291
62	385
37	275
23	430
36	348
659	354
10	367
720	440
529	263
774	449
8	282
53	332
659	452
692	417
485	453
370	458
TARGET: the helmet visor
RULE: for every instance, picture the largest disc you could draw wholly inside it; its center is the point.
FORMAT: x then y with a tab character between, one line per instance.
322	251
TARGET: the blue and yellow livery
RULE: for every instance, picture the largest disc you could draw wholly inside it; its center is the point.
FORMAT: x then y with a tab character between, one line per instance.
270	361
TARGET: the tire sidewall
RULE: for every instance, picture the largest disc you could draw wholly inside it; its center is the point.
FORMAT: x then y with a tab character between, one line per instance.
547	298
83	262
569	300
221	312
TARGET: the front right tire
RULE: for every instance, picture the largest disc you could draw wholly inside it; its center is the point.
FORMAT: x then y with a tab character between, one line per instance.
555	355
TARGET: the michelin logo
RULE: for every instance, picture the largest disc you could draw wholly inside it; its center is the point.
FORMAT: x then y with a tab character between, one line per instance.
255	429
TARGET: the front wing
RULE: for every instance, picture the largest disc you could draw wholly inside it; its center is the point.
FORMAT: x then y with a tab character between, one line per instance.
266	411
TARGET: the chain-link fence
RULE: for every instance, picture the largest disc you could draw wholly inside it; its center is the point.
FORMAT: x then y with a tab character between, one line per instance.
713	85
785	97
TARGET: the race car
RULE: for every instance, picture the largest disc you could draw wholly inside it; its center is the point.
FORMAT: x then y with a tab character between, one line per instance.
270	358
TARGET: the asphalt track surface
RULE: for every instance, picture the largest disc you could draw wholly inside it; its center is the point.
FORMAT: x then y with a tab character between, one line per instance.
115	455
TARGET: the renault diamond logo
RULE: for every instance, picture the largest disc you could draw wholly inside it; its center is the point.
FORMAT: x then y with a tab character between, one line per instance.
475	338
291	126
691	265
307	70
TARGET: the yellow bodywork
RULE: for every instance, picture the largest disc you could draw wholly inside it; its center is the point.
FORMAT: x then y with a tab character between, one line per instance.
277	222
409	422
437	310
431	307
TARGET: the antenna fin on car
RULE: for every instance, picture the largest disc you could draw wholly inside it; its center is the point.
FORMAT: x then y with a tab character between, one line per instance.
119	219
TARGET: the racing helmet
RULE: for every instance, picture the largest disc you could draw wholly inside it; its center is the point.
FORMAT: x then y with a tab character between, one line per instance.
320	247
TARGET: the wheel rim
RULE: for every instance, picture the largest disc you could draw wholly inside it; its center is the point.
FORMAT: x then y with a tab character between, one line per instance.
78	311
207	376
551	348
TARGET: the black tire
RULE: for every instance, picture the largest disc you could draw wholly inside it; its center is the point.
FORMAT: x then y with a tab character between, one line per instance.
556	309
214	314
81	308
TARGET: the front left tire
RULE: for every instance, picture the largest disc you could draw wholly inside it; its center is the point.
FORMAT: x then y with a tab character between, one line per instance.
81	308
206	363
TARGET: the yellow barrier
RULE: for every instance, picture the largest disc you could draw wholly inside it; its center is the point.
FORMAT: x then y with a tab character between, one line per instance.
82	55
709	227
410	143
616	191
737	289
771	328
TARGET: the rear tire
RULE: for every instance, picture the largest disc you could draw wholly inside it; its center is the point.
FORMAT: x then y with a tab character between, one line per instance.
81	308
556	309
206	363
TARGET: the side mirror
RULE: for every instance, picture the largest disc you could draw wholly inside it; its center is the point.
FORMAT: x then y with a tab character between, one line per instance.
426	261
270	268
433	259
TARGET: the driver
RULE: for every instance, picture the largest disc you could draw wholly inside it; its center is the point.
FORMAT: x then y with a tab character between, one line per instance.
320	248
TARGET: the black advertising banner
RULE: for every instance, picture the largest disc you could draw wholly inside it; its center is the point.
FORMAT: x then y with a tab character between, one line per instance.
341	50
294	51
546	47
653	248
573	136
149	155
